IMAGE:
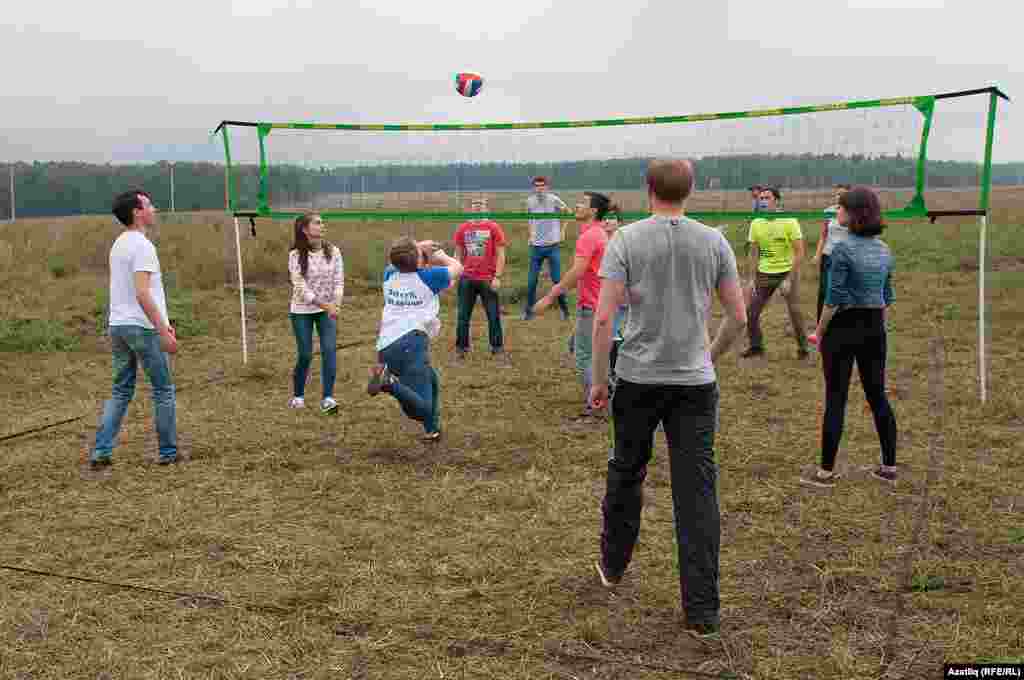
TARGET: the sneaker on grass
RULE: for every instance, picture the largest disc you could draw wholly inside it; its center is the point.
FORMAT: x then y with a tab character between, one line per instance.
379	377
703	631
885	473
329	406
608	580
820	478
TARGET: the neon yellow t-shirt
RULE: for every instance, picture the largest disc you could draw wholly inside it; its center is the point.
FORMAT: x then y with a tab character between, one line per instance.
774	239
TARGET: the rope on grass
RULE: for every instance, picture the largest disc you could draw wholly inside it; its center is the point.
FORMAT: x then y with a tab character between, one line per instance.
592	658
181	388
145	589
40	428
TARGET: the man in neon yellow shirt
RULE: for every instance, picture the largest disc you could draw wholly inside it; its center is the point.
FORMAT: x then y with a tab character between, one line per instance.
776	251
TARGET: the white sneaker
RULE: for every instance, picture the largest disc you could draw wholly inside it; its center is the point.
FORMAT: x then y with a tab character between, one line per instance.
328	406
297	402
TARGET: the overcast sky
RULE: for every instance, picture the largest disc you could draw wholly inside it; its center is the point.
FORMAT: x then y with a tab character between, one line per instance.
111	81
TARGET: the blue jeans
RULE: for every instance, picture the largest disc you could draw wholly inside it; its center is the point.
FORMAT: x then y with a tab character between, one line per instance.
553	254
132	345
418	391
327	329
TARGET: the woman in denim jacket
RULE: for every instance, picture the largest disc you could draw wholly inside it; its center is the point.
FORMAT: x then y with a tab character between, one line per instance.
852	329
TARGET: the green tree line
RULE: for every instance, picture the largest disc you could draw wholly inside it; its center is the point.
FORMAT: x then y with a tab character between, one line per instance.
72	188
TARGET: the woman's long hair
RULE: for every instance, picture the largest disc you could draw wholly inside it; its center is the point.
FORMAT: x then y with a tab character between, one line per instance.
301	242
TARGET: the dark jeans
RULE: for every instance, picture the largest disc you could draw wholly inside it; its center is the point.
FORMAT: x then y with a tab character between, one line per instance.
327	330
469	290
689	415
418	391
553	254
855	335
765	287
822	282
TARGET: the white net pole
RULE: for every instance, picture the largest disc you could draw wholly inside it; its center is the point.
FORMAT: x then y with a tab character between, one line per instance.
981	310
241	292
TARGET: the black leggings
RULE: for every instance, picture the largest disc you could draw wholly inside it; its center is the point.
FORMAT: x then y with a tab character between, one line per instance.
855	335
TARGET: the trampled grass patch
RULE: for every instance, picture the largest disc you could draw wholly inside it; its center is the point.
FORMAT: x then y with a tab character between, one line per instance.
344	547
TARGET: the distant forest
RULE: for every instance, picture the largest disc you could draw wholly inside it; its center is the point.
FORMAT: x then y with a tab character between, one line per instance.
71	188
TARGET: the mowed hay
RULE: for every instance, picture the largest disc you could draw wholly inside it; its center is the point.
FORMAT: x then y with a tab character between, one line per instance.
343	547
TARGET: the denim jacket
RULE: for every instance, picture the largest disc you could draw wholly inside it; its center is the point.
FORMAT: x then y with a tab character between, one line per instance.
860	273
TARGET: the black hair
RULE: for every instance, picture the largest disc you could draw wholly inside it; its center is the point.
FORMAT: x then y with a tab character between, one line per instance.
598	202
125	205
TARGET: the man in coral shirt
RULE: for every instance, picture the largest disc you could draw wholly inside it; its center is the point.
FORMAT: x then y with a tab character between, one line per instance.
584	275
480	247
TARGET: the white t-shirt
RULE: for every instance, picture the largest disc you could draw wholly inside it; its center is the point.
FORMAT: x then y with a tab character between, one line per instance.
835	231
133	252
411	303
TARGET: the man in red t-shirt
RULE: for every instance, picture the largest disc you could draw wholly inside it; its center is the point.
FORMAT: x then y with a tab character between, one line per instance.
480	247
584	275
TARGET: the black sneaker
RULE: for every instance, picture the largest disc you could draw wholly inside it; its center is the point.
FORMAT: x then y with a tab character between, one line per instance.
703	631
379	377
100	464
460	354
802	353
564	313
431	437
607	580
885	474
752	352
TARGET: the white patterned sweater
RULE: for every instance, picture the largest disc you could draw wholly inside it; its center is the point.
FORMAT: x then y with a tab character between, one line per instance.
324	282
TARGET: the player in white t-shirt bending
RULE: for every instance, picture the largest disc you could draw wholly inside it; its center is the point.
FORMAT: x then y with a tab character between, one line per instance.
140	331
417	275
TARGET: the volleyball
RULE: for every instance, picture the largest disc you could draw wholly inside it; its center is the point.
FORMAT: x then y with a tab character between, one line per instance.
468	84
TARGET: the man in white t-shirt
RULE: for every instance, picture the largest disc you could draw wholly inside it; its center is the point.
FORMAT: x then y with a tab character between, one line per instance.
408	323
140	331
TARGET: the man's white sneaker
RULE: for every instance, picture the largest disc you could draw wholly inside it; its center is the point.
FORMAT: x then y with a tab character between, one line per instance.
328	406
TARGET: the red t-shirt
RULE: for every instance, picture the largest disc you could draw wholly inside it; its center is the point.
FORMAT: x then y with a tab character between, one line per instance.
591	245
478	242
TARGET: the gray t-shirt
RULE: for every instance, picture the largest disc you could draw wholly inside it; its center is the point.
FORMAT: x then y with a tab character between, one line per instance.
545	232
672	268
835	232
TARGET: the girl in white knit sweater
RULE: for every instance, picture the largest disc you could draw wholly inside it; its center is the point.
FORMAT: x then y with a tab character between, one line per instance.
318	285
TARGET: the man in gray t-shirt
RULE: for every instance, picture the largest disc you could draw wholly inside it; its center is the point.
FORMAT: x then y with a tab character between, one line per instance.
545	243
668	267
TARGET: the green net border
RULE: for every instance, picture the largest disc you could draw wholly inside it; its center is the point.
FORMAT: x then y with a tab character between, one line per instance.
915	209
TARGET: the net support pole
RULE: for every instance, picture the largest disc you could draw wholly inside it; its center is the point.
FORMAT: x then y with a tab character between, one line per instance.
986	190
241	293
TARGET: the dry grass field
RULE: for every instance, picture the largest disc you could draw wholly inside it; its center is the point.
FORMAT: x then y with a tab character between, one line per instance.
298	546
